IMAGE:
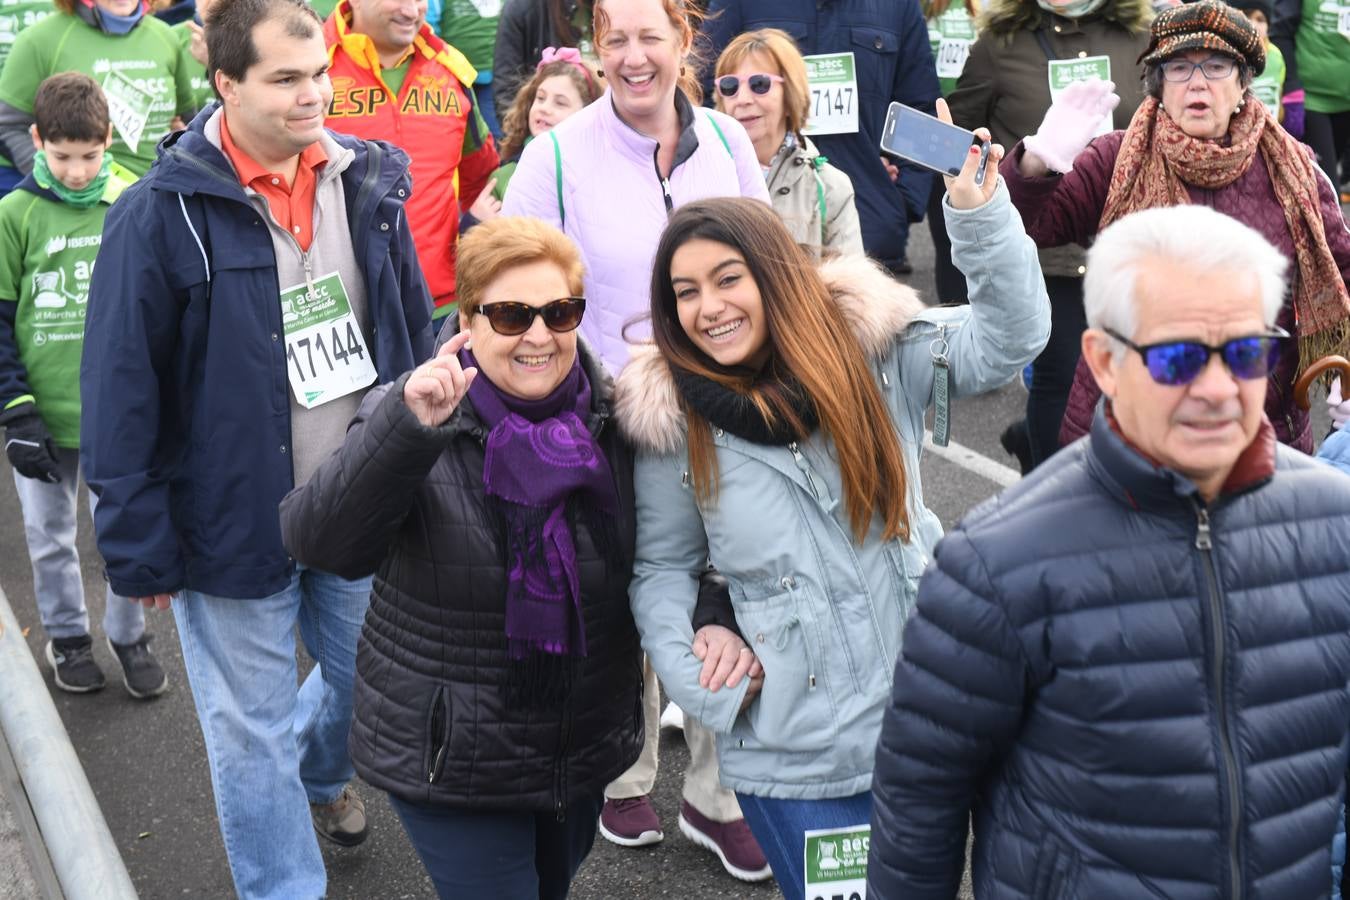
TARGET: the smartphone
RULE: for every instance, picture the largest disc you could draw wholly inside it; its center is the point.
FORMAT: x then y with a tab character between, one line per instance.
930	142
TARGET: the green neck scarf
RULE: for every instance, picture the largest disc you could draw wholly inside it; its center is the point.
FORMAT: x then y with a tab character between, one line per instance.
84	198
1074	10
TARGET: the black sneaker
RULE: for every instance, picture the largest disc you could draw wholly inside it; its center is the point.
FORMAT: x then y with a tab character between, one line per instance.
73	664
1017	442
141	672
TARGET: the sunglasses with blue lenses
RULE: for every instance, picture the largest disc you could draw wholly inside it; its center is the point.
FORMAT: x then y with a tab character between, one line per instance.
1179	362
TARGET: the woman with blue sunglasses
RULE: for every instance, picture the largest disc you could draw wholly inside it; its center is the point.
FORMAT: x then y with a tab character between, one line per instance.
1200	137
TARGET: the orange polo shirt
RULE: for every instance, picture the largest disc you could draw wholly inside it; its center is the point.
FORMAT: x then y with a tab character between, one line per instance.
292	205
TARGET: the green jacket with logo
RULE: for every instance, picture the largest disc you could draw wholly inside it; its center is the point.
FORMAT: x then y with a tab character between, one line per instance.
47	250
1314	36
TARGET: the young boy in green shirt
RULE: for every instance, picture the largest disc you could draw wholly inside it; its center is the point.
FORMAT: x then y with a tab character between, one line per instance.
51	226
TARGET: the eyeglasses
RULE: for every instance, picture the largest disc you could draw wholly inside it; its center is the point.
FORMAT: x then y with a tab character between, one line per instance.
1215	68
511	318
1179	362
730	85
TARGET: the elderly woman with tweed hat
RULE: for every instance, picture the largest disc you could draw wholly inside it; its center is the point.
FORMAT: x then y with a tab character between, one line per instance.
1199	137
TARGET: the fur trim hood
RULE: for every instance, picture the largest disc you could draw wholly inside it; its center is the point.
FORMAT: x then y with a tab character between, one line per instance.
877	308
1003	17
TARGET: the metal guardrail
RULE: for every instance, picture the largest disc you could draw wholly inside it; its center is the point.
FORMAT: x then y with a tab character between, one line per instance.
78	842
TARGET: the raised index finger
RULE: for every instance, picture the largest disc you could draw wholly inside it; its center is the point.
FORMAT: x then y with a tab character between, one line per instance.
455	344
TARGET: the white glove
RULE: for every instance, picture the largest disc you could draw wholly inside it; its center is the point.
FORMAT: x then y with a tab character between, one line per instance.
1071	122
1337	406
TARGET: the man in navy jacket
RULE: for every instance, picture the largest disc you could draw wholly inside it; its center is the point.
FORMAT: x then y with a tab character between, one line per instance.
893	61
1133	667
247	292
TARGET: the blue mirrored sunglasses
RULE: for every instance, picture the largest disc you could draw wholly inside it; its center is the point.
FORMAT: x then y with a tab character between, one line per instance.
1179	362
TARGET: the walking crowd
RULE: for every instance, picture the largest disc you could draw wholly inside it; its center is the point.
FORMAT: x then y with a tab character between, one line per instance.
532	358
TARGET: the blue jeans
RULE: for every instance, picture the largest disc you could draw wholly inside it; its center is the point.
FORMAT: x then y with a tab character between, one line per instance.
273	750
780	827
503	855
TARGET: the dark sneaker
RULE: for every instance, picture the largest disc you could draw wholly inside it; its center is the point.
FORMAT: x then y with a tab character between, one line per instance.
631	822
343	821
141	672
73	663
732	841
1017	442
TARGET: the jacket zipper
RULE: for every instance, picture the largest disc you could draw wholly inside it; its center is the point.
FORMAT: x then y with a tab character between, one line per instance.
1205	544
560	764
806	469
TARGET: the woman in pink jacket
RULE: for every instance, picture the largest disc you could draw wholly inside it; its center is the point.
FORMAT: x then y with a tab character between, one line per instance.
611	174
609	177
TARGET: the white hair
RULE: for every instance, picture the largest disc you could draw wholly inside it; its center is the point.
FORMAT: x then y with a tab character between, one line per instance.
1194	237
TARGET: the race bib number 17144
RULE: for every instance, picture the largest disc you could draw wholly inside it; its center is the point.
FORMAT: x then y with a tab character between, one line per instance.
326	354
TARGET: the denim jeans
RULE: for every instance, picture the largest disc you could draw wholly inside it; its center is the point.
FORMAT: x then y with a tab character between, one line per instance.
273	750
49	527
780	827
502	855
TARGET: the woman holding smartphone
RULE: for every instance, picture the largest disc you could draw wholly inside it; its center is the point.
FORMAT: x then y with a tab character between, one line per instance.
777	421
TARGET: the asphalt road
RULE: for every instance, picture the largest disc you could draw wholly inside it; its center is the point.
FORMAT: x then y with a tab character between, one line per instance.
148	767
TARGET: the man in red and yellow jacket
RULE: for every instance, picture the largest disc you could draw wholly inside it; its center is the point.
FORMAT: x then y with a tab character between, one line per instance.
394	80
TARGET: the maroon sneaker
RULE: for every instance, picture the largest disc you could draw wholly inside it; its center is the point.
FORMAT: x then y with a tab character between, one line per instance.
732	841
631	822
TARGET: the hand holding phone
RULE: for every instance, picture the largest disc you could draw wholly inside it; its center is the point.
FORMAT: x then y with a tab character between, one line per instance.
962	157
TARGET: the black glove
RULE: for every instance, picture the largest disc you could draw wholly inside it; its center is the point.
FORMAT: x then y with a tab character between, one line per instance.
28	444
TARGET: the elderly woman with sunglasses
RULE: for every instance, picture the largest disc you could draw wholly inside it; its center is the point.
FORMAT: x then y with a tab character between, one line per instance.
761	83
1199	137
498	672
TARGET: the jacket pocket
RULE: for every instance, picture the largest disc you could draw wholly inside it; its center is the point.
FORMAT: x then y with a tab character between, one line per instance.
1056	875
793	711
875	50
437	739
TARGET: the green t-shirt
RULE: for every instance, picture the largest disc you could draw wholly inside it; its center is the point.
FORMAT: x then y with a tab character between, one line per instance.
47	251
141	73
15	16
201	88
323	7
1323	47
1268	87
394	76
470	26
950	36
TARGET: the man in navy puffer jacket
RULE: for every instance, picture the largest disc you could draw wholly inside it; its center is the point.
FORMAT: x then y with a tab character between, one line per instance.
1132	667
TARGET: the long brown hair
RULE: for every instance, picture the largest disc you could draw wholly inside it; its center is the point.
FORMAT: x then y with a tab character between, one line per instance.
809	341
516	122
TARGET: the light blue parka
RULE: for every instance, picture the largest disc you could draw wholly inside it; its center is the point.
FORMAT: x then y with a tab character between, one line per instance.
822	612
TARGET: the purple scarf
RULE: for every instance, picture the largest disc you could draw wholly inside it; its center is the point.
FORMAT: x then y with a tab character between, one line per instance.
540	458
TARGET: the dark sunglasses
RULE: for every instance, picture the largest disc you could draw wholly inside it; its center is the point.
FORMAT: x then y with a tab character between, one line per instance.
730	85
512	318
1179	362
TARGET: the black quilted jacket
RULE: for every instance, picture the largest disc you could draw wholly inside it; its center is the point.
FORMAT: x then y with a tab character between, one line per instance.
1136	695
431	721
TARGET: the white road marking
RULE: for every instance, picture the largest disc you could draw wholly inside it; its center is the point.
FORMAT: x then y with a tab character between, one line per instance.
967	458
